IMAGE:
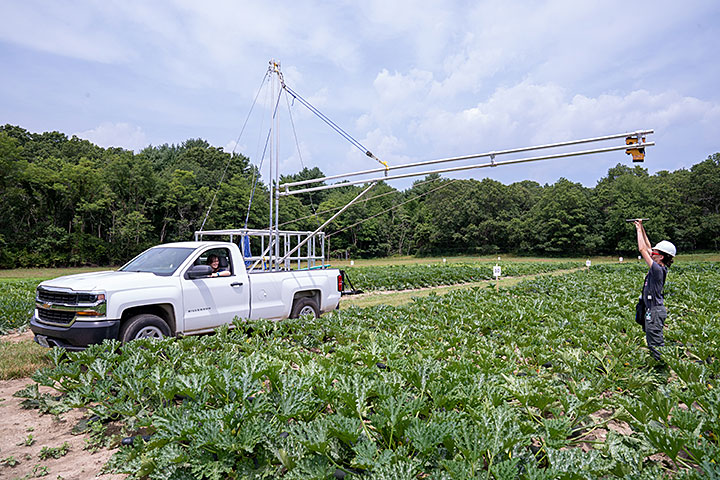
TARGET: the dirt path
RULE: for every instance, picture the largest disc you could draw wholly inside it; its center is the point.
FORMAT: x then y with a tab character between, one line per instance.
27	335
399	297
25	432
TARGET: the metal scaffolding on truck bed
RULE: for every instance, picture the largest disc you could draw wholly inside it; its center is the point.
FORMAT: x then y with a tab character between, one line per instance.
301	250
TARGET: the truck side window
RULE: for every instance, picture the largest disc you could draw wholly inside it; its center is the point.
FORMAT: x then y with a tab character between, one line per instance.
218	259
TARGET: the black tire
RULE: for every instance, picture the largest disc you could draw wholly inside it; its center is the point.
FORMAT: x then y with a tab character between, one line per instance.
145	325
305	306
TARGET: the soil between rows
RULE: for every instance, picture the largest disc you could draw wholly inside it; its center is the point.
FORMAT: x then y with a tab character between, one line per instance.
17	424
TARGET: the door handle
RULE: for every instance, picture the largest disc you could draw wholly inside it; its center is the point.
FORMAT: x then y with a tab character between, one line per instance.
236	284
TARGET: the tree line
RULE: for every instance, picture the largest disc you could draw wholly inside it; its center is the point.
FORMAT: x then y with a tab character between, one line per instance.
66	201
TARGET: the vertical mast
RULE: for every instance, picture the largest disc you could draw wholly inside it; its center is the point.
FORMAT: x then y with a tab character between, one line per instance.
277	169
270	177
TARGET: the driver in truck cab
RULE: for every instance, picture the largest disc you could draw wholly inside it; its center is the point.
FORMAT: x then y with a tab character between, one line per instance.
217	270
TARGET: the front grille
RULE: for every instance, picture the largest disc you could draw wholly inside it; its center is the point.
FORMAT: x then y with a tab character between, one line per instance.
52	296
55	316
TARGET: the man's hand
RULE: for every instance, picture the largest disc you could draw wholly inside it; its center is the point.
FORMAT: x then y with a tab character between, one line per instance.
644	245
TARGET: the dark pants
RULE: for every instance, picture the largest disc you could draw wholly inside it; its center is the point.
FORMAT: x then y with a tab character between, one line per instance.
654	324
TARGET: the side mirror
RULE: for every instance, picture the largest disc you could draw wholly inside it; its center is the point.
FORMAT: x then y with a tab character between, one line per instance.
199	271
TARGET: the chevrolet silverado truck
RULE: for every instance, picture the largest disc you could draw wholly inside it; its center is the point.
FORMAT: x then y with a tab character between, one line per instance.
169	290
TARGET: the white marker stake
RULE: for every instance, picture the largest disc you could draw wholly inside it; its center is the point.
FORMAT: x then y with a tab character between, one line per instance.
620	259
352	262
588	263
497	271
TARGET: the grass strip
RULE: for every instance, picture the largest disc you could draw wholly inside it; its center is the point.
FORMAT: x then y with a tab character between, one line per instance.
21	359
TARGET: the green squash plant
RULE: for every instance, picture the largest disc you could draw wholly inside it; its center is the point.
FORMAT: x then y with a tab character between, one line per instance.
548	379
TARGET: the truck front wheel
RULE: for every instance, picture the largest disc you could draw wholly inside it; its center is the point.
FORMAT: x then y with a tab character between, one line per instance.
305	306
145	325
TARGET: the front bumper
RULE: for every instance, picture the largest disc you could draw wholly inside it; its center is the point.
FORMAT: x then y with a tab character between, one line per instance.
75	337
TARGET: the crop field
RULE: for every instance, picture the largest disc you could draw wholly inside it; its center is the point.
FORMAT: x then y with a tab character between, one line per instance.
546	379
17	295
17	299
402	277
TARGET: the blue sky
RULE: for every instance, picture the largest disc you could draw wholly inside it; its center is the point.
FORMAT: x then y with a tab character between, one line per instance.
411	80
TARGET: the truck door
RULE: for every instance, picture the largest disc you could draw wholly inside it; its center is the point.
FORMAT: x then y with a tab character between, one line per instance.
213	301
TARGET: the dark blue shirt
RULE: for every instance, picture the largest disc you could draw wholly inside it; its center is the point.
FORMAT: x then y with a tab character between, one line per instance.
652	293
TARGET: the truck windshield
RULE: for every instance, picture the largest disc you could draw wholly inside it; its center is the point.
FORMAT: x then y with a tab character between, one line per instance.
160	261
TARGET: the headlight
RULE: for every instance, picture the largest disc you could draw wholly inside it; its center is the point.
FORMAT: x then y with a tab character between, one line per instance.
90	297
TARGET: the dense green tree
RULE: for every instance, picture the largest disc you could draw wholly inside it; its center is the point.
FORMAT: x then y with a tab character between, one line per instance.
704	192
66	201
624	193
366	227
233	206
310	199
561	221
438	222
467	216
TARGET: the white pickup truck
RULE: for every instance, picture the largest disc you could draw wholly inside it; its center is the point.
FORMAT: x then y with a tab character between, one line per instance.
168	290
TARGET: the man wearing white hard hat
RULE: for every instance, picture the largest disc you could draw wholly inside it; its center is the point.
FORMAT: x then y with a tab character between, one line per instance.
658	258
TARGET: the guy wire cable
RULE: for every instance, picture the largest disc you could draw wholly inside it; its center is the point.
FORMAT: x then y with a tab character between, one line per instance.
250	112
391	208
297	145
334	126
267	140
365	200
257	172
227	164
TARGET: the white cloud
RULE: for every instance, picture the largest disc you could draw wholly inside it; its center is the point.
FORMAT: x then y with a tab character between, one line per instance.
122	135
55	28
186	43
427	27
386	147
400	99
233	146
293	161
398	89
414	79
523	114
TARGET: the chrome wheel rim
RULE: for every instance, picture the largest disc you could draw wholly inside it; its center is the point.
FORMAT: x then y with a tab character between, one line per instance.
149	332
307	310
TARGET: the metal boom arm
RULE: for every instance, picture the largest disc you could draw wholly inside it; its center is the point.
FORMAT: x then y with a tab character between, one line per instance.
634	145
637	134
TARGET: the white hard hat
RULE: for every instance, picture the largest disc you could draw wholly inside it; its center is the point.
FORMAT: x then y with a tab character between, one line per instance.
666	247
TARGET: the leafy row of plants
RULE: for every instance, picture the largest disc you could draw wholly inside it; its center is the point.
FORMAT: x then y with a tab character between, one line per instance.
17	297
17	300
547	379
402	277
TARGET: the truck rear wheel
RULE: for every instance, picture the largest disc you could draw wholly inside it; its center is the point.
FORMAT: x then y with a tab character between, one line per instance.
145	325
305	306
